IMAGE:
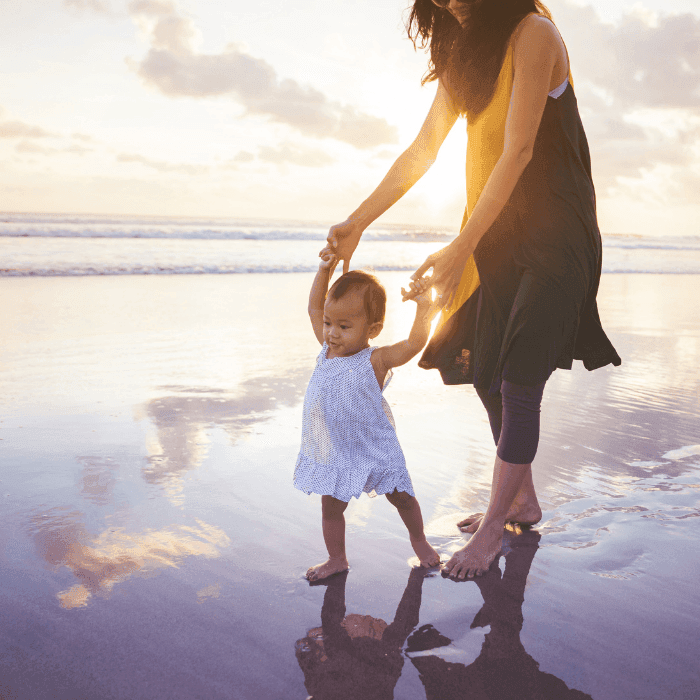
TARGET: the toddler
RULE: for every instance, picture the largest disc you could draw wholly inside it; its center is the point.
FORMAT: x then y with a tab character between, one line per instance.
349	442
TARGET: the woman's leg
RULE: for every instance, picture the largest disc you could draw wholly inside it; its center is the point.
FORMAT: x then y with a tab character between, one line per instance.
333	520
493	403
520	432
476	556
517	445
410	513
525	509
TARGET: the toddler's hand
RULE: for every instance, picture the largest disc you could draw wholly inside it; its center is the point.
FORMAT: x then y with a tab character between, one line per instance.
328	260
421	293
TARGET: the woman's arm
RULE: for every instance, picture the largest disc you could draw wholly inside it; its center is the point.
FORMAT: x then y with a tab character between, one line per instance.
537	48
410	166
536	51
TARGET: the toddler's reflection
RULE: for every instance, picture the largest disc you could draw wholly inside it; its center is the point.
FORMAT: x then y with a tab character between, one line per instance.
357	656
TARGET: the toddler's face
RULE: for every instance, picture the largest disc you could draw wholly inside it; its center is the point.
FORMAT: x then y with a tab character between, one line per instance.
346	328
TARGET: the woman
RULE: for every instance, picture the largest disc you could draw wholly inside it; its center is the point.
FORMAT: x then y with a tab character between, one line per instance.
519	282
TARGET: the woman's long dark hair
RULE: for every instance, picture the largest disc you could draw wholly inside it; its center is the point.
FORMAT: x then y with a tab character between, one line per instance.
468	59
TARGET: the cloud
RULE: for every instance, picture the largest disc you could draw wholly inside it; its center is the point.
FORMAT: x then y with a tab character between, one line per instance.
290	153
152	8
95	5
284	153
31	147
162	166
101	562
174	67
386	154
17	129
638	88
641	63
243	157
77	149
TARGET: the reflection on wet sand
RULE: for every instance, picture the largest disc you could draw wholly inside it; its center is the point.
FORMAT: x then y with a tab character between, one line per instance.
503	669
97	482
100	562
358	656
183	420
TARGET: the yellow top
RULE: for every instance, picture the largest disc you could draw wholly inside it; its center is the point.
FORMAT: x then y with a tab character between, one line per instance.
485	135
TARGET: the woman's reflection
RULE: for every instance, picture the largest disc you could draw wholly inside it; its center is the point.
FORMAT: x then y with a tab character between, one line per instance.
357	656
503	669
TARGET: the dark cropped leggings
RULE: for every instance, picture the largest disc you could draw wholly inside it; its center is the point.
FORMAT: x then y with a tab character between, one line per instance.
514	415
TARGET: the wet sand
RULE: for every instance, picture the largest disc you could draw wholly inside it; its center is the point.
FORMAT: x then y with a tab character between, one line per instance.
153	546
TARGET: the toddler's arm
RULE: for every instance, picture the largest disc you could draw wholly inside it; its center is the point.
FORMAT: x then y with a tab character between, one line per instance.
400	353
319	289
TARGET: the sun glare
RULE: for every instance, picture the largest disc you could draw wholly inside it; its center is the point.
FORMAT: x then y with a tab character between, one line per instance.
443	188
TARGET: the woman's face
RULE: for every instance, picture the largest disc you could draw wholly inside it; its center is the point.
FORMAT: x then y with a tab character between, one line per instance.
459	9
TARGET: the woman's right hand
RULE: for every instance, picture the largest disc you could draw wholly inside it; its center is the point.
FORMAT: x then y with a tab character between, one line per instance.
447	265
343	239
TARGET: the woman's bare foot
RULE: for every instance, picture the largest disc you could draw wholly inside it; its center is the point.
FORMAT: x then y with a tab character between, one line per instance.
328	568
476	556
427	555
521	514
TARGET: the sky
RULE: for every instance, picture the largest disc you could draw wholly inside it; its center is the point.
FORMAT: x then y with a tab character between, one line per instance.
296	110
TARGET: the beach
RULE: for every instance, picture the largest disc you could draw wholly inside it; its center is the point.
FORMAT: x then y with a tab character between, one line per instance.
153	545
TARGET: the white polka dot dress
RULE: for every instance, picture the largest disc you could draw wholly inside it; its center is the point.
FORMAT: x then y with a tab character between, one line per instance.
348	441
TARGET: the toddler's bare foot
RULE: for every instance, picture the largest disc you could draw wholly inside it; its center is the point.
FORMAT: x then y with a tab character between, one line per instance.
476	556
328	568
427	555
521	514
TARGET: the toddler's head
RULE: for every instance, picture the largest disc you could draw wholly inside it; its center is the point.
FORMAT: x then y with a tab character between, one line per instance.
353	313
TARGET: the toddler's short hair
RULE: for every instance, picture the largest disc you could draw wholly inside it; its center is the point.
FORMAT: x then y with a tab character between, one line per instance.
375	295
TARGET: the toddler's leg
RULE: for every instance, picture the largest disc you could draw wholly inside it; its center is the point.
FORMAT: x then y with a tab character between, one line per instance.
409	510
334	537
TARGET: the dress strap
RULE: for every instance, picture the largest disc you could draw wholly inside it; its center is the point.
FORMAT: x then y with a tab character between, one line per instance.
559	91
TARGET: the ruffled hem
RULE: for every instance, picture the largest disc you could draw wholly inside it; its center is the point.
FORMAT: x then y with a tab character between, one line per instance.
325	480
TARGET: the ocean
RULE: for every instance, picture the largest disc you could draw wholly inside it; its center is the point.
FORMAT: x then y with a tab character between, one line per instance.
48	245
